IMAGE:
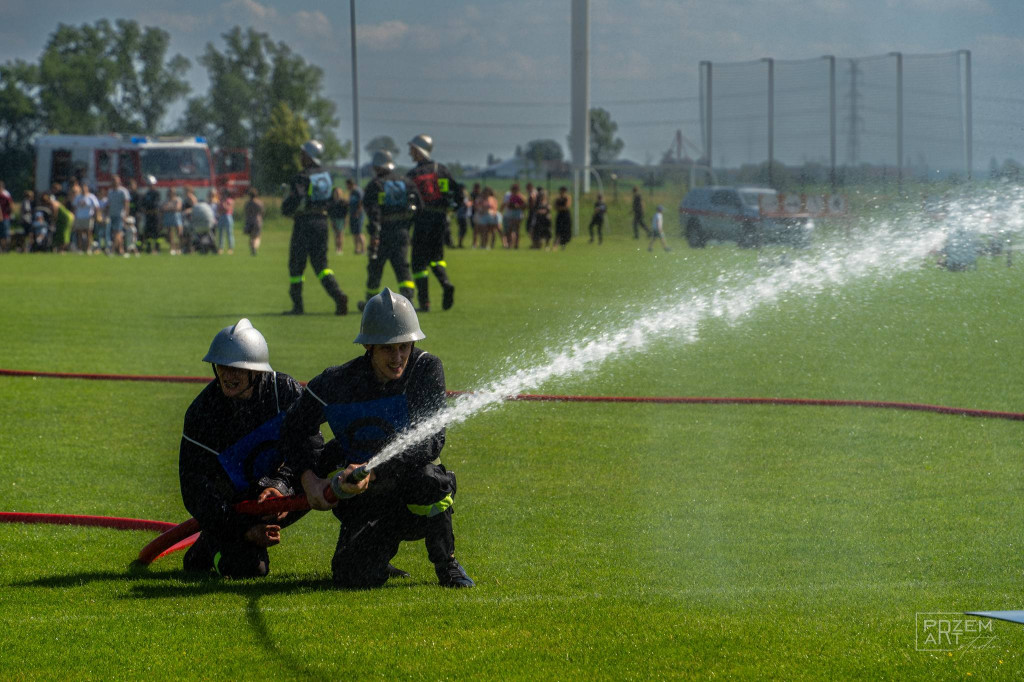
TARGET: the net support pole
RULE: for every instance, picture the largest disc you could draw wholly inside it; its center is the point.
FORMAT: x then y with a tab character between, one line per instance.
771	118
706	68
831	120
899	120
968	117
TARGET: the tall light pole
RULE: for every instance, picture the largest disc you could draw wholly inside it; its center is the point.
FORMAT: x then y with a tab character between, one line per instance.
355	88
580	107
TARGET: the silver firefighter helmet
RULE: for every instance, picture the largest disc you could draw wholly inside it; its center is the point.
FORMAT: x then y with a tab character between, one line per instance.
242	346
314	149
424	144
382	161
389	318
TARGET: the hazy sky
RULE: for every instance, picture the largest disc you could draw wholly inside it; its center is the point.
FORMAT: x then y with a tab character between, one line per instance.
485	76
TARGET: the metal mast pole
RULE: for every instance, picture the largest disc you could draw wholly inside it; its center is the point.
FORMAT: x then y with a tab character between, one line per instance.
355	89
580	102
899	119
832	120
771	118
969	122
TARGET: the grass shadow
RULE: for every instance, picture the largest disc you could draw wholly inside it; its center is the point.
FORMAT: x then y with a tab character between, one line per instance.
192	585
132	573
250	313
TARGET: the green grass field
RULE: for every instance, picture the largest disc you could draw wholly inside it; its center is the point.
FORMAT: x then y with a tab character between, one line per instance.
608	541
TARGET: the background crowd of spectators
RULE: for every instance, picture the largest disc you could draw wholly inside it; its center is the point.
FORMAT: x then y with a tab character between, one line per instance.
125	220
493	221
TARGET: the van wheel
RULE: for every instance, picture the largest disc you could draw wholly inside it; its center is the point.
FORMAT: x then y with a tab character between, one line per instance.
750	236
695	234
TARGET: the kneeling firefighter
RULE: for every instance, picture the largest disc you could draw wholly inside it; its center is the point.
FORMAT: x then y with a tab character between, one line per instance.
230	453
368	402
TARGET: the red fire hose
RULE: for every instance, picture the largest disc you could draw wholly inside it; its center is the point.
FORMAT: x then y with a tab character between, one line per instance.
173	537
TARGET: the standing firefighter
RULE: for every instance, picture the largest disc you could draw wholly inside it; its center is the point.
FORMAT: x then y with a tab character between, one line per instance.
368	402
390	202
311	202
229	454
437	187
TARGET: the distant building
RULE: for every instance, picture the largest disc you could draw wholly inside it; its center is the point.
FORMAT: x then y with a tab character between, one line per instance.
525	168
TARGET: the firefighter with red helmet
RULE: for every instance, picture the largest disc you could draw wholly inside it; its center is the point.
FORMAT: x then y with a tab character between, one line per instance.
437	187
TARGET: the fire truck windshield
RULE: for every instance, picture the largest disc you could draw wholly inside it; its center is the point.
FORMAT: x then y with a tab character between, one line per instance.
177	163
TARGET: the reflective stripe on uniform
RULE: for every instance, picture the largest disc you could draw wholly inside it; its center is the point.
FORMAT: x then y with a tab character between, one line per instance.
429	510
408	284
421	274
195	442
323	273
315	396
434	264
298	279
216	562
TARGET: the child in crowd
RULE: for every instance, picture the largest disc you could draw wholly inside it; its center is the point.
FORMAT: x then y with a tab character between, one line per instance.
658	229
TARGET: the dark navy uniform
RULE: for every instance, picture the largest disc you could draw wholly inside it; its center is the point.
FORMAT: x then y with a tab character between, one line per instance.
411	497
597	220
390	202
436	187
230	453
311	203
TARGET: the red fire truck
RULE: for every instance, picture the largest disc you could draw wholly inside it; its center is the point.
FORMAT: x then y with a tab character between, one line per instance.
173	161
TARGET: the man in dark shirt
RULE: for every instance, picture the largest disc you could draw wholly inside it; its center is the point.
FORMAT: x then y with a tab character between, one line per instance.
229	453
597	220
311	201
638	214
150	205
368	402
437	187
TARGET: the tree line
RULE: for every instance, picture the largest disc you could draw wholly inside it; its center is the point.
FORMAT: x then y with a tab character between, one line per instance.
605	146
119	77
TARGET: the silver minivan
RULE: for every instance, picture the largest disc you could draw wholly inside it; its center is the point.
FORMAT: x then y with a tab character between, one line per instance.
749	216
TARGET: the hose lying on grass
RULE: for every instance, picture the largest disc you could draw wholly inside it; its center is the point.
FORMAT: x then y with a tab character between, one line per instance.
172	538
176	537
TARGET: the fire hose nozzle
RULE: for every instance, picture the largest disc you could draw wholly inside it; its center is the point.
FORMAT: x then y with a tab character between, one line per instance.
334	492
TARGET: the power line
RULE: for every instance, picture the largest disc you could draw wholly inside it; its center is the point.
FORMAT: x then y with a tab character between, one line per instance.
648	124
458	124
548	126
655	100
992	98
520	103
462	102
